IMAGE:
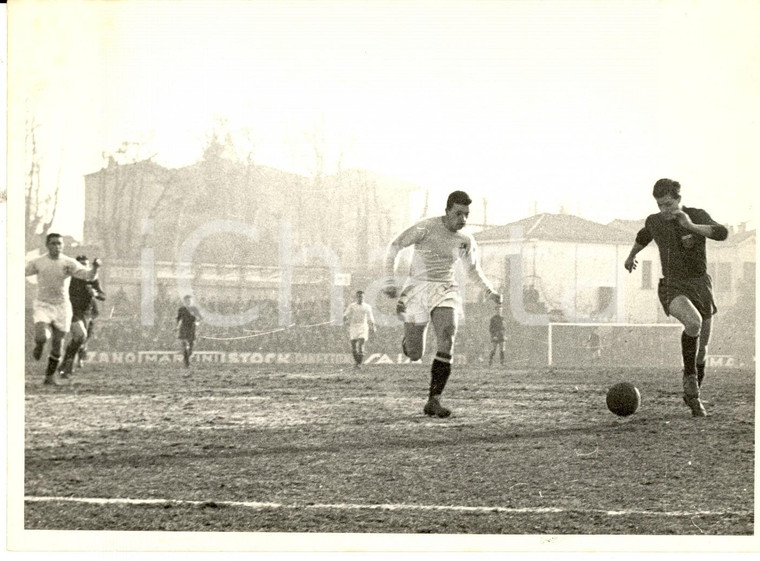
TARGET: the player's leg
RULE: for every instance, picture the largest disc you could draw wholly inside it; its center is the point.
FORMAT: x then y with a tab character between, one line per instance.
704	340
445	327
41	336
190	347
684	311
413	343
78	336
185	351
83	347
494	344
56	350
359	352
501	353
353	351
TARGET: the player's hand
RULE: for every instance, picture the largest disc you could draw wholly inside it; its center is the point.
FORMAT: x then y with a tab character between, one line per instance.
390	291
96	263
400	308
683	219
630	264
496	297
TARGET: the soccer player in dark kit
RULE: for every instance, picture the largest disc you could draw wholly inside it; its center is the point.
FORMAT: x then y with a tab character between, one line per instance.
685	291
496	330
188	316
82	294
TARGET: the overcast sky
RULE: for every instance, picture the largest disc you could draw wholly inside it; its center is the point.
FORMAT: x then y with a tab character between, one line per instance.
573	104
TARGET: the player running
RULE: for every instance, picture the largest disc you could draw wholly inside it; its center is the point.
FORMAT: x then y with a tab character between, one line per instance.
188	317
432	294
360	322
51	309
82	294
685	291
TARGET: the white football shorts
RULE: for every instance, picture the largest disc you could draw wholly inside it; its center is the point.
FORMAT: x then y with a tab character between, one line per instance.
422	297
58	315
358	331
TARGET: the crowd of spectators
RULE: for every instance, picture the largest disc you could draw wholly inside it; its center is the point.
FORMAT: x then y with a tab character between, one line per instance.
121	327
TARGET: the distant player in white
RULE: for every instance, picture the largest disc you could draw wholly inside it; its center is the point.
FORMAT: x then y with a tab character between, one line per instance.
432	292
360	321
52	309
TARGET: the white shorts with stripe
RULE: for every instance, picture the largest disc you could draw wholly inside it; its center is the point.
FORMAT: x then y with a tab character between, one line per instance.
422	297
358	331
58	315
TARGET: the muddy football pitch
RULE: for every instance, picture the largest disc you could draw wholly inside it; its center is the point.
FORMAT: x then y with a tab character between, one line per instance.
327	449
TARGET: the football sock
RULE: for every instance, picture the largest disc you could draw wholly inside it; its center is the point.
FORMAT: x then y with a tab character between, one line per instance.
71	351
700	373
689	351
439	373
52	366
490	358
501	357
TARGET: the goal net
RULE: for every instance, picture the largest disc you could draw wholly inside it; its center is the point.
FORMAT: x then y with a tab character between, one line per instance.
614	344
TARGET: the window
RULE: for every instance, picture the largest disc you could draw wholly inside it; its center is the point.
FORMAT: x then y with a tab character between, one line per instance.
646	274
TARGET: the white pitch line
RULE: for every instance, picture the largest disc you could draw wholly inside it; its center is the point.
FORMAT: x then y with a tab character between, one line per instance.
348	506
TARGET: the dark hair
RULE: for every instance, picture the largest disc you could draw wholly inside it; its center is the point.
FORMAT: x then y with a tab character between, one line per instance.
52	235
665	187
458	198
81	258
359	292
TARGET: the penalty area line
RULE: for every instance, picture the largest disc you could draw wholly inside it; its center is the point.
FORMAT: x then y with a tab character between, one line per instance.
389	507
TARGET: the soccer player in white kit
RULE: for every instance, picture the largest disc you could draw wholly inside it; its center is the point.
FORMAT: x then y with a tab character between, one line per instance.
360	321
432	293
52	308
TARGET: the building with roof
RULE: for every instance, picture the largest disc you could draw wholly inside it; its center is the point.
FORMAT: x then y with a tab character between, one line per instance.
564	265
572	268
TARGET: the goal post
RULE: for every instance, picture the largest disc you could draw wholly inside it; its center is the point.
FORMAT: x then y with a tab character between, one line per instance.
614	344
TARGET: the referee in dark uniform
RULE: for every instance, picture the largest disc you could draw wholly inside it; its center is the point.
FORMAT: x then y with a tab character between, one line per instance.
685	291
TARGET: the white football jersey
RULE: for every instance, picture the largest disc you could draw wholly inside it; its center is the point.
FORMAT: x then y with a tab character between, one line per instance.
53	275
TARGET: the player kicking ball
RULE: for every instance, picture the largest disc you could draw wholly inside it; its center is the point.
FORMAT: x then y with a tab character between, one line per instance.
685	291
432	294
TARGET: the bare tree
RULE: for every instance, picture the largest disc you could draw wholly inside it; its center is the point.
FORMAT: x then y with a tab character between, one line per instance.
127	190
40	206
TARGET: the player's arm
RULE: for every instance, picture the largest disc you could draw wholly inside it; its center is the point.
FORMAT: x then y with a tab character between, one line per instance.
476	271
81	272
30	269
371	318
407	238
703	224
99	293
643	238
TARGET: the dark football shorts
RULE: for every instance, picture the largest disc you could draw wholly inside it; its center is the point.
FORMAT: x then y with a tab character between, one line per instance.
187	333
497	338
85	316
697	289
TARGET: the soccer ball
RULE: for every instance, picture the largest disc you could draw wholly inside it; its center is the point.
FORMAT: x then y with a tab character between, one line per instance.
623	399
